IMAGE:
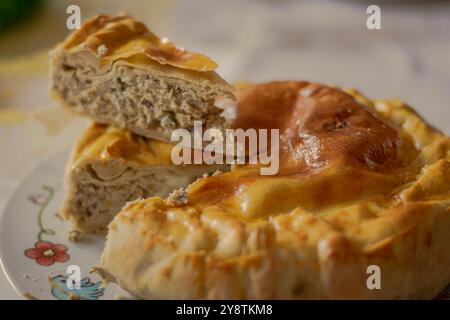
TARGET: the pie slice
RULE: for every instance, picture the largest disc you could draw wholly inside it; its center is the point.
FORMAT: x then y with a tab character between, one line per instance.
118	72
363	187
110	166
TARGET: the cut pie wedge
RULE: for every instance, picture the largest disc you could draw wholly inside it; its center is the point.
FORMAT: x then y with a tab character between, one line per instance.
110	167
116	71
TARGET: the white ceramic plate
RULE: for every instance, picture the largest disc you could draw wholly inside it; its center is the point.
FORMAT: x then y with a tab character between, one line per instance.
35	251
34	248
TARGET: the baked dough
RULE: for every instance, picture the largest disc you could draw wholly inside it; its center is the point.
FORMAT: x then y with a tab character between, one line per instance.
118	72
361	183
110	166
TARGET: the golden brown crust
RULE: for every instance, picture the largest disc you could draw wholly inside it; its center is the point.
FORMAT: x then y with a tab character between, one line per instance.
320	128
110	143
106	40
371	187
342	129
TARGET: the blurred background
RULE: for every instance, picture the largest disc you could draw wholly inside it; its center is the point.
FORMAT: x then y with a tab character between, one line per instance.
253	40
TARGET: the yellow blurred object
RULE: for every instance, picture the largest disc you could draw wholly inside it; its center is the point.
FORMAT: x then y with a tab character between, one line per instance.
12	115
30	64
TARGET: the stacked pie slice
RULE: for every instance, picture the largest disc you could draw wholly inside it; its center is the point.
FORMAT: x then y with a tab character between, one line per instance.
117	72
110	166
359	209
137	88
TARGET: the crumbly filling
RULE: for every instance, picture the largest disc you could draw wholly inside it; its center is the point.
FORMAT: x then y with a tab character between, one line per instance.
131	98
93	202
178	197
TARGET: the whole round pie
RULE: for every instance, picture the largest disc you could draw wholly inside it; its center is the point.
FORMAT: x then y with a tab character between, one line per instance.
361	183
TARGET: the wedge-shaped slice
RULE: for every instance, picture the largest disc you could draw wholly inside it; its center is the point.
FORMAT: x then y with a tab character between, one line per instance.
116	71
109	167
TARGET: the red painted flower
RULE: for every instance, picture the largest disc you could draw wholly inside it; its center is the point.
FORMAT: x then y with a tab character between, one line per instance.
47	253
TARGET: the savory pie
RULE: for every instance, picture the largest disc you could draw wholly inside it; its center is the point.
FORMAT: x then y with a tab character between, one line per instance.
110	166
361	183
118	72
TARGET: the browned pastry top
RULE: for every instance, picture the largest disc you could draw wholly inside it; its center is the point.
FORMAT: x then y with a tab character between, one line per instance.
319	125
121	37
332	150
